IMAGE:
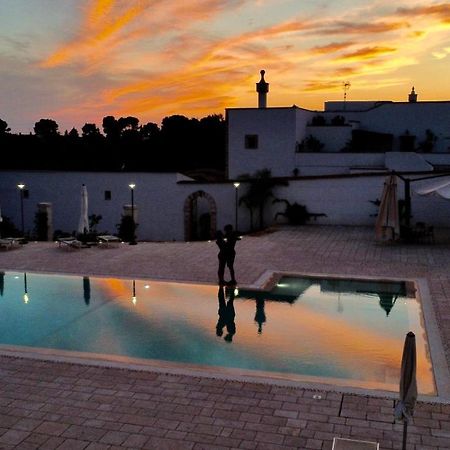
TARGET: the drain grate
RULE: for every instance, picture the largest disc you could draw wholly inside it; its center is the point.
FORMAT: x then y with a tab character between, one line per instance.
351	444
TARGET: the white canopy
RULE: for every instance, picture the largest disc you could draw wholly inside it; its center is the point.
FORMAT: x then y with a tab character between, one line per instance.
439	186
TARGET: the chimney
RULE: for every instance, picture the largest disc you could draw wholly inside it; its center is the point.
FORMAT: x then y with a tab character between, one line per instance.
412	97
262	88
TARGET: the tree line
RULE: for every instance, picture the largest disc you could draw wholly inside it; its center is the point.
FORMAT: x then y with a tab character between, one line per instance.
179	144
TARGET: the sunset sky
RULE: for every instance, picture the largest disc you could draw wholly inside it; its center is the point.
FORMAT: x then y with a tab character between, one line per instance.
76	61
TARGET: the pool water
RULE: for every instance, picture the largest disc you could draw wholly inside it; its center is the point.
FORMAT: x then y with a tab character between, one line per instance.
328	330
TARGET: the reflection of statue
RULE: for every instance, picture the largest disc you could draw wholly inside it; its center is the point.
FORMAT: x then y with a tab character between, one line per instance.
387	302
260	315
226	314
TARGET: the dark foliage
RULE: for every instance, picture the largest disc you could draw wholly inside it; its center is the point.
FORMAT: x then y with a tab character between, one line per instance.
180	144
8	229
126	229
296	214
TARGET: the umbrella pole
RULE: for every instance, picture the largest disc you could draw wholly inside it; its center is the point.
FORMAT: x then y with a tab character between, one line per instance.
405	431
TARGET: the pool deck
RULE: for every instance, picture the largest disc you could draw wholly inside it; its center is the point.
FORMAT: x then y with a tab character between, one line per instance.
60	405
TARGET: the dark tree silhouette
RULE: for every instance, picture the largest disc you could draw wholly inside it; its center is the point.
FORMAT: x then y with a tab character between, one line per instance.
149	130
4	127
111	128
90	130
46	128
128	124
260	189
180	144
73	134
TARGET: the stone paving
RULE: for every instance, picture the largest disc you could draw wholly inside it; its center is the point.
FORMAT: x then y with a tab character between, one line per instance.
57	405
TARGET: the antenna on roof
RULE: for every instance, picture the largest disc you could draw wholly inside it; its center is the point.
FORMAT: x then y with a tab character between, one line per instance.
346	86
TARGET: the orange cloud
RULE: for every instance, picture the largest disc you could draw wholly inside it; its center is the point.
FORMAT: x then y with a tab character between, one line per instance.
331	48
367	53
441	11
364	28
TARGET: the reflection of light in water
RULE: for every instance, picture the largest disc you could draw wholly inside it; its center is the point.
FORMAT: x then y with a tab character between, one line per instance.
133	298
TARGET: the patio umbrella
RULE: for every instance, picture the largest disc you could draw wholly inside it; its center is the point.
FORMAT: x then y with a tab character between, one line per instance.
387	225
408	384
439	186
83	225
86	290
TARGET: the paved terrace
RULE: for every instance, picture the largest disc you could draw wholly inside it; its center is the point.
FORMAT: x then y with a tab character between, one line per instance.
60	405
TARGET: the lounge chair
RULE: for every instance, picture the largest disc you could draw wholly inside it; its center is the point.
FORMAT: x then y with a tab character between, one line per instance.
69	243
107	240
9	243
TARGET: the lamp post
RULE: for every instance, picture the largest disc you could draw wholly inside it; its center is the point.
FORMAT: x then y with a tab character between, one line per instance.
21	186
133	225
236	186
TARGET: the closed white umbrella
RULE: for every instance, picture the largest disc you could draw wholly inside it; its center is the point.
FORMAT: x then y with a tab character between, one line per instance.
83	224
408	384
387	225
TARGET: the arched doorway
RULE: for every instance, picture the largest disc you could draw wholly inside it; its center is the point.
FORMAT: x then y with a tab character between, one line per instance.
200	217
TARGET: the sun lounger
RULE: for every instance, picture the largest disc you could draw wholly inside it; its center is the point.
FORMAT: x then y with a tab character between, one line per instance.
69	243
9	243
107	240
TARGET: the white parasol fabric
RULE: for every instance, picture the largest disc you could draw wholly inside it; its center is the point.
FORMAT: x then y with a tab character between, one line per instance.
83	224
438	186
387	226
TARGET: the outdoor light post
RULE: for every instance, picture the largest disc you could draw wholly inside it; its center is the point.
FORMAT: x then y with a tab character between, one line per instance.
133	225
236	186
21	187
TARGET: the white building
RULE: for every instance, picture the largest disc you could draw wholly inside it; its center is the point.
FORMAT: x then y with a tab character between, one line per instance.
341	185
343	138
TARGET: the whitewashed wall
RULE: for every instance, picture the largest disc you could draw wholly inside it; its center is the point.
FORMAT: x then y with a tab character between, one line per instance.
347	200
160	200
275	128
280	129
396	118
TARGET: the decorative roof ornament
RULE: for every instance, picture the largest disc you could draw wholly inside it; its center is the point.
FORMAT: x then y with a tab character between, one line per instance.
262	88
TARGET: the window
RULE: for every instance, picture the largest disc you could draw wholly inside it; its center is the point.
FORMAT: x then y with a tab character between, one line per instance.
251	141
107	195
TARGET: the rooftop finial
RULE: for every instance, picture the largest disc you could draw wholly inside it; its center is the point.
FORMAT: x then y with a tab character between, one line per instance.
412	97
262	88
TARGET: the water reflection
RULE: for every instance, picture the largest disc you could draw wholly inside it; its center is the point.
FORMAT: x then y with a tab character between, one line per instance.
260	315
86	290
2	283
133	297
291	290
25	287
226	313
387	302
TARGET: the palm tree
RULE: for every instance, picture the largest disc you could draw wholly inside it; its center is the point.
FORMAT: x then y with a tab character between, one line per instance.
259	190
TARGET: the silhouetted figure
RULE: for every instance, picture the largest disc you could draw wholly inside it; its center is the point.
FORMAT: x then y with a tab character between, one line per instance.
227	253
226	314
260	315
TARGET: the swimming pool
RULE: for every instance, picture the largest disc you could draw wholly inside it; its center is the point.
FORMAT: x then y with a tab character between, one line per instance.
347	332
